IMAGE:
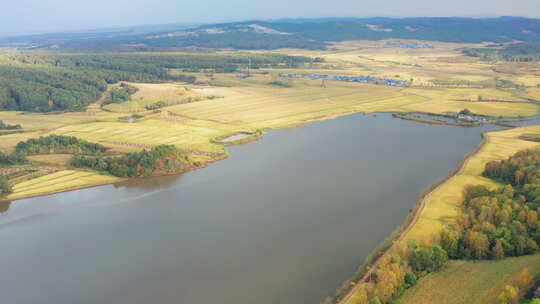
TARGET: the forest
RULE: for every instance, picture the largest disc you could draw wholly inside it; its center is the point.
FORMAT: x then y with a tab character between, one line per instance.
296	33
492	224
70	82
57	144
120	94
502	222
521	52
136	164
495	224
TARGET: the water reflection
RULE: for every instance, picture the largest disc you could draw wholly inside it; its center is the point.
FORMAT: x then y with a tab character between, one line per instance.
4	206
151	183
284	220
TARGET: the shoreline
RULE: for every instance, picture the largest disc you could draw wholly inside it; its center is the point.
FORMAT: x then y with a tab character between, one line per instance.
120	180
369	266
411	220
401	232
3	201
254	136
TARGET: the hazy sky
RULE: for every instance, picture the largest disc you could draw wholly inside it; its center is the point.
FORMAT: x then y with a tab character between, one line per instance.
33	16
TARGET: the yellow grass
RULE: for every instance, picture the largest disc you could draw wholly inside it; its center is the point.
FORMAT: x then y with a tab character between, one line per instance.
527	80
8	142
186	134
51	159
35	121
148	93
462	282
443	203
454	100
59	181
251	104
533	93
269	107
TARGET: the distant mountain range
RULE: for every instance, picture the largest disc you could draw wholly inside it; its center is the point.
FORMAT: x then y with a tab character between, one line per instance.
293	33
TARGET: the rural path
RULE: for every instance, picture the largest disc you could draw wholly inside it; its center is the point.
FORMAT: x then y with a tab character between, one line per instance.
413	221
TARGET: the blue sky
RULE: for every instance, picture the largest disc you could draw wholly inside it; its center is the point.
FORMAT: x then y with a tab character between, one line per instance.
39	16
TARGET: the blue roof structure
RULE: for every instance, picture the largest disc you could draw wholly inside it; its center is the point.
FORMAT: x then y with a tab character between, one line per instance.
384	81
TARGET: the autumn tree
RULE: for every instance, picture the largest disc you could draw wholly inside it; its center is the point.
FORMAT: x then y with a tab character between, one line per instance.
360	295
449	242
497	252
532	219
525	280
510	295
479	245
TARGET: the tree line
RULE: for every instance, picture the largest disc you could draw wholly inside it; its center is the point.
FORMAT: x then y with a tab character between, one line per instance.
158	65
502	222
492	224
5	186
396	273
520	52
120	94
52	144
58	144
70	82
14	158
5	126
136	164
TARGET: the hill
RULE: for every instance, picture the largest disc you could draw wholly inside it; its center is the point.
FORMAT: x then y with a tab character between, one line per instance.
293	33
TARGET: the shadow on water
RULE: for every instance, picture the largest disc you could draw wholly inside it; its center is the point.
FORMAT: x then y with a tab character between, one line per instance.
151	183
4	206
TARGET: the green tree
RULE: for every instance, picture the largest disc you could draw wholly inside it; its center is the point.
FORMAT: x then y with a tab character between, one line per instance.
5	186
410	279
375	300
449	242
439	257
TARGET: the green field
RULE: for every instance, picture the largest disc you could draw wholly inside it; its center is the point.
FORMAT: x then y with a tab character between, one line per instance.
462	282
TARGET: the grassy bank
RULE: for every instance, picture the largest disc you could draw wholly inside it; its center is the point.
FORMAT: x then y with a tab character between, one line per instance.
61	181
442	204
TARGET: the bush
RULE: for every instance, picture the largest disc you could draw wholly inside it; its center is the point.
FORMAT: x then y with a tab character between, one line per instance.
5	186
58	144
4	126
144	163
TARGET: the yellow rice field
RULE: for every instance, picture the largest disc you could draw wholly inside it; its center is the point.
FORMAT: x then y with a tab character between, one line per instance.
58	182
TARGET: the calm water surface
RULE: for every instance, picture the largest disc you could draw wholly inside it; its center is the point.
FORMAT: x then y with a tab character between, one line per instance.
283	220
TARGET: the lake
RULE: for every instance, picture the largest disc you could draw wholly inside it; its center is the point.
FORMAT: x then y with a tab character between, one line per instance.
284	220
